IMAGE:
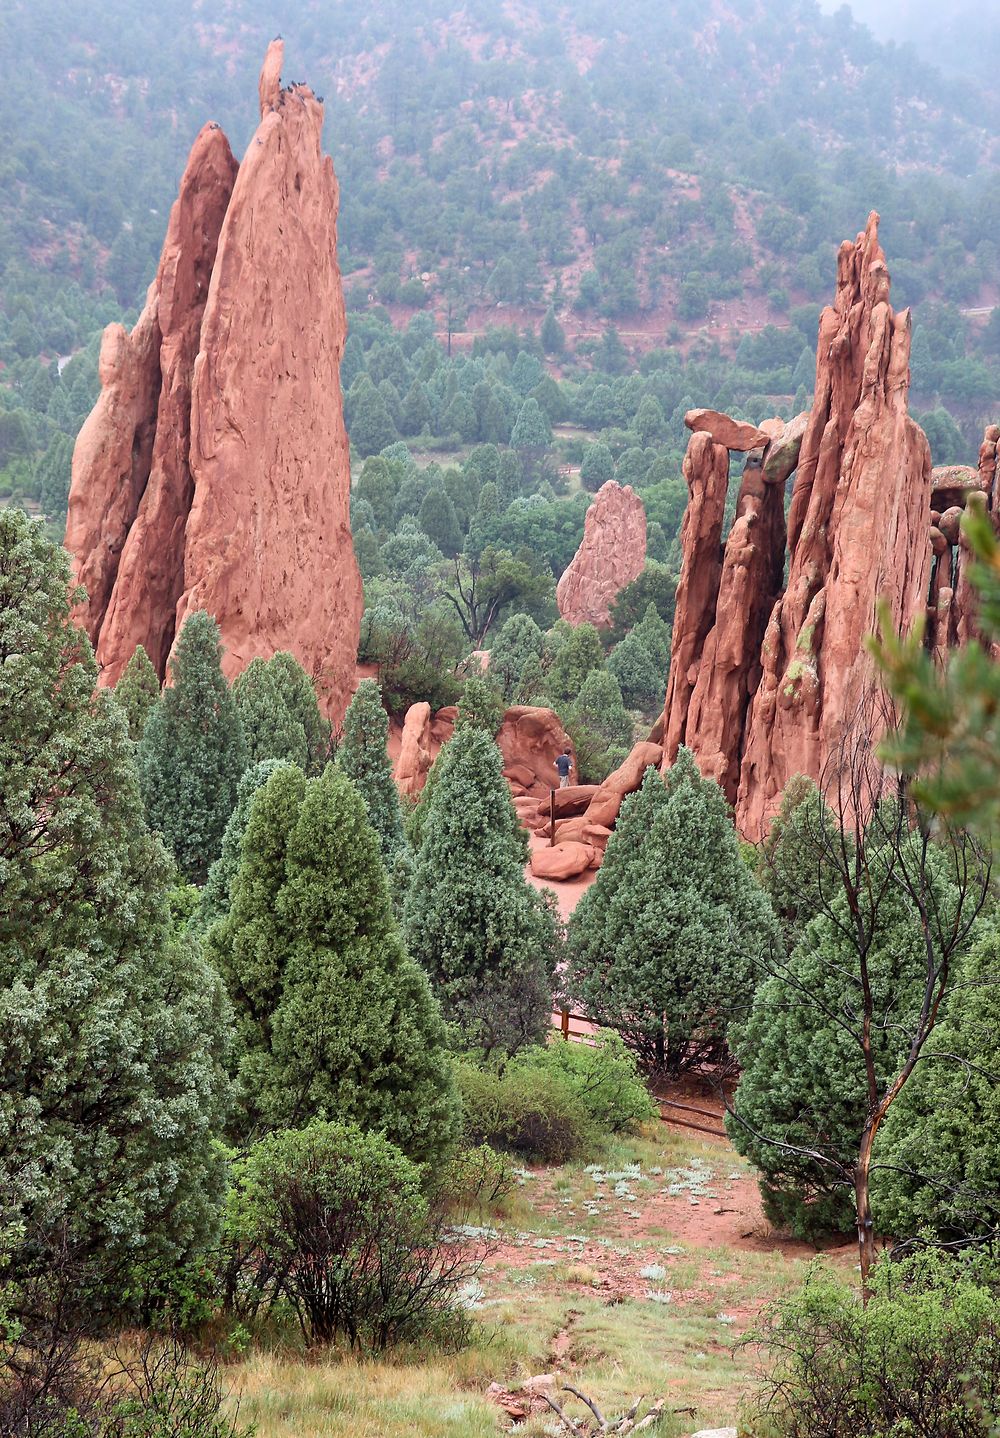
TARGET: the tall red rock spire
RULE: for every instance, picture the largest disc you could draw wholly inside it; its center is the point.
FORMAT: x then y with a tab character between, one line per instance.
214	471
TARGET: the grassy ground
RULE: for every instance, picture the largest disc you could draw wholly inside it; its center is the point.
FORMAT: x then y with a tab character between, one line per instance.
630	1278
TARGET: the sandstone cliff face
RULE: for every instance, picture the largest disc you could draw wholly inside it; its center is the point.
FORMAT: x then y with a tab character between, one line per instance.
151	572
764	679
612	553
857	534
213	473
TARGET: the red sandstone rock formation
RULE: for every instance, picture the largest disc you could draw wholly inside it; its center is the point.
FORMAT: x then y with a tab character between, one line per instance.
603	808
213	473
612	553
734	434
857	533
706	469
564	860
730	668
150	576
415	751
111	461
531	738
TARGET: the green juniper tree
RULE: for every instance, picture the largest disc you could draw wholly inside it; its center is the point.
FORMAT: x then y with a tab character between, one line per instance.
518	641
192	752
279	714
112	1032
214	899
579	654
362	755
485	937
333	1018
480	706
137	692
669	960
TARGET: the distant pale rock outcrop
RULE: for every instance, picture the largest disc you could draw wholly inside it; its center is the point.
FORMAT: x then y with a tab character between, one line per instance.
611	554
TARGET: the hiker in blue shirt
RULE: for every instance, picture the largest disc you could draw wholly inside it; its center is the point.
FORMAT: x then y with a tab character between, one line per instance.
564	764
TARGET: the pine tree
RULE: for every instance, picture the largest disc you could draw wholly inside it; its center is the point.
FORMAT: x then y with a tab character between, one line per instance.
416	409
599	706
137	692
485	937
362	756
298	694
597	468
532	430
663	945
803	1075
112	1033
192	752
440	523
641	680
334	1020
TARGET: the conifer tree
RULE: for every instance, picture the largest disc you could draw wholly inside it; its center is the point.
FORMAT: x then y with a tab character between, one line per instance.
333	1017
553	337
937	1155
599	706
137	692
641	681
663	945
192	752
480	706
112	1033
439	522
298	693
579	654
519	640
215	897
363	756
485	937
269	730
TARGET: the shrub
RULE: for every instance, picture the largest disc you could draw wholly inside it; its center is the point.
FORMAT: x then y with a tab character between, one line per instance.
921	1358
526	1111
602	1075
334	1221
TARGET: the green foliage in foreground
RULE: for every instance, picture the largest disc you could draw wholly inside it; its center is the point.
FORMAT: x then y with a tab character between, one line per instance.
921	1358
333	1017
802	1071
938	1152
484	936
665	945
112	1032
951	732
335	1221
193	752
362	756
137	692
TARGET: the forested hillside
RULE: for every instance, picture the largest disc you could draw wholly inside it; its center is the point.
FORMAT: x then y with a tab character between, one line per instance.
661	177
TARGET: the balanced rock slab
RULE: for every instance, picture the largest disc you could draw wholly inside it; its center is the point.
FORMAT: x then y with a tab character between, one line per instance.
734	434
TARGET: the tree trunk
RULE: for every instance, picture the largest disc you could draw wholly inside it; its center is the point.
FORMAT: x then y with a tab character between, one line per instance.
862	1198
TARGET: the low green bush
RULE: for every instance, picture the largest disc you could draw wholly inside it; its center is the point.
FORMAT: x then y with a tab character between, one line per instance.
525	1111
603	1076
922	1357
337	1225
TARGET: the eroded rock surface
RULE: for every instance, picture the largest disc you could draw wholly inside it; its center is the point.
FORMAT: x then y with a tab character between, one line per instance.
612	553
213	473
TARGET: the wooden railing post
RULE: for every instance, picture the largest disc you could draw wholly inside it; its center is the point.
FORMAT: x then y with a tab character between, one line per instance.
552	817
564	1025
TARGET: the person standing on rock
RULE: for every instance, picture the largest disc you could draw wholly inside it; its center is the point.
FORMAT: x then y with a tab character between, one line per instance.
564	764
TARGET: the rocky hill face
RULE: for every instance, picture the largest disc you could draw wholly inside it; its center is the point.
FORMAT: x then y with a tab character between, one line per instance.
213	472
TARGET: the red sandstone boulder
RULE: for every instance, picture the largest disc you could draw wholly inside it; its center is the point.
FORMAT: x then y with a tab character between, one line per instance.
612	553
733	434
603	808
415	756
532	738
951	484
561	861
782	455
582	830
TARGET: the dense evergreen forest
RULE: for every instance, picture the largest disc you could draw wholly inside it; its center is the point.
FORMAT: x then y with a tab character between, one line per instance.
666	188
